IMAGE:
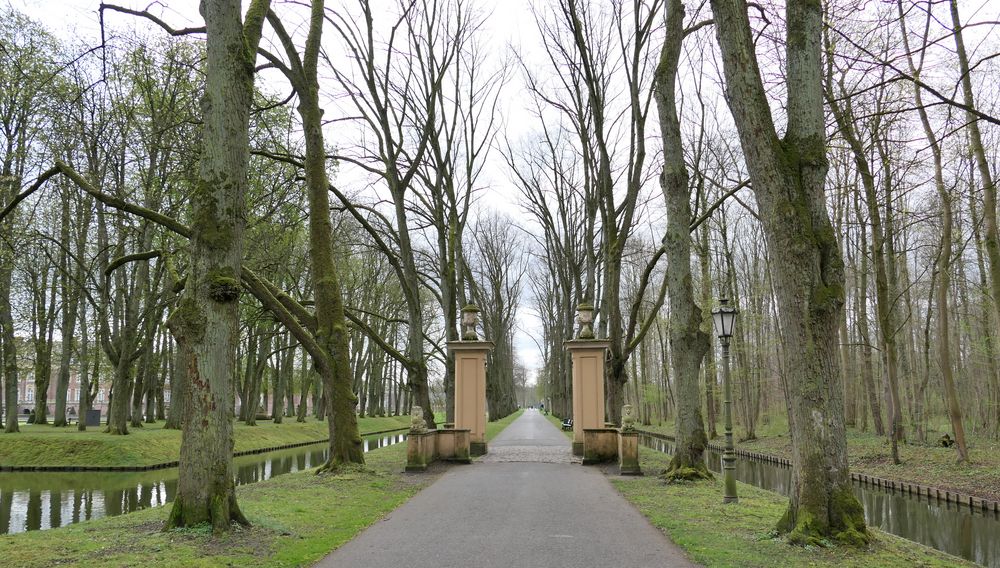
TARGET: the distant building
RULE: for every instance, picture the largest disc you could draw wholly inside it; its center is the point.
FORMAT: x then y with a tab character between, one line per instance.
26	395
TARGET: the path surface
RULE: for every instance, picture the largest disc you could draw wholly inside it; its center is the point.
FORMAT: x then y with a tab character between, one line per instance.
524	504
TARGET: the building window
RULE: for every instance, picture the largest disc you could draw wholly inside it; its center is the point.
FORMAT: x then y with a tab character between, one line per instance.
30	397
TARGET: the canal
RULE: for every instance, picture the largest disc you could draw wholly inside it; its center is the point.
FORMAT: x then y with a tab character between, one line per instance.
32	500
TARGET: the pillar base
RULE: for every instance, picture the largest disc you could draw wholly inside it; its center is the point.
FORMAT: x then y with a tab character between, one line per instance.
477	448
577	448
628	453
415	468
600	445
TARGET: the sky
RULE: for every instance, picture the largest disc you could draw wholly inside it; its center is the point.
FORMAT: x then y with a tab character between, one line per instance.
509	25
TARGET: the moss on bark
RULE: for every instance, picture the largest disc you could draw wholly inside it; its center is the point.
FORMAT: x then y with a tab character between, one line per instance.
843	523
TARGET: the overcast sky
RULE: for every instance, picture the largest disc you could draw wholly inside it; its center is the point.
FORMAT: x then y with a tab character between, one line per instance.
509	25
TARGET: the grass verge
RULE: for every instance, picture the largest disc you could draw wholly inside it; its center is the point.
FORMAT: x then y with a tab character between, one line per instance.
713	534
46	445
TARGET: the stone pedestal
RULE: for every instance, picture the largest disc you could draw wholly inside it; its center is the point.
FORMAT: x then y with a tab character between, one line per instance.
588	386
599	445
424	448
420	450
628	453
453	445
470	390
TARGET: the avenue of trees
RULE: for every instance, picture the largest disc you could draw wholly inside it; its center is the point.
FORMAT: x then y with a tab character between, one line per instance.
289	205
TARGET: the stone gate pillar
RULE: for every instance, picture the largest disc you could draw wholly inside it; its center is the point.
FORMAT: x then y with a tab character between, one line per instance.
470	381
588	356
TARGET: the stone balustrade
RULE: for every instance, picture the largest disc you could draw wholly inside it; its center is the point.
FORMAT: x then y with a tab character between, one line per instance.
424	448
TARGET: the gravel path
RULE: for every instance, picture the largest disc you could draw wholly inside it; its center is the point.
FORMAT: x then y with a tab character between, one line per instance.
524	504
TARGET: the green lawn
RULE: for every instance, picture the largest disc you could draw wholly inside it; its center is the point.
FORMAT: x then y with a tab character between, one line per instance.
297	519
925	464
741	535
46	445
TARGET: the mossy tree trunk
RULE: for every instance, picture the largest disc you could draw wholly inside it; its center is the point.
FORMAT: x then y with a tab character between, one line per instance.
8	345
688	343
788	177
43	326
71	303
207	316
331	332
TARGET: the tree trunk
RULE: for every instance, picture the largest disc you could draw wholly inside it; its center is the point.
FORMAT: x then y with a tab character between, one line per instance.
71	302
332	334
788	177
179	389
9	347
944	265
206	318
867	368
991	236
45	321
885	293
83	400
121	396
688	344
711	375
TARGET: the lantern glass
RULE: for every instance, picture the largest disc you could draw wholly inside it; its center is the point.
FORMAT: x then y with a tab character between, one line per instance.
724	319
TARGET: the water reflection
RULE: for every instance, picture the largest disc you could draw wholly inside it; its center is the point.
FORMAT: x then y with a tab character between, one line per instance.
948	527
41	500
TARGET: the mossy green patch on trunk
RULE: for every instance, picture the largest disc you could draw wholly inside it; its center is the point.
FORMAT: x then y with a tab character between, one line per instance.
223	286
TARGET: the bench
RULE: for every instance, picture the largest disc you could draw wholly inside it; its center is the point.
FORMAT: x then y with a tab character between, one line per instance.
567	424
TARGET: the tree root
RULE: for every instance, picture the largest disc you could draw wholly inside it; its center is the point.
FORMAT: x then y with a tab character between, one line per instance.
845	524
683	468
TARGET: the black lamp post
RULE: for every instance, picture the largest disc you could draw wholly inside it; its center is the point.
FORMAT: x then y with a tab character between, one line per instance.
724	320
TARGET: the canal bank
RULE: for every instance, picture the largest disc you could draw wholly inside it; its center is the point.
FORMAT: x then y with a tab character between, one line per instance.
150	447
923	515
297	519
693	515
32	501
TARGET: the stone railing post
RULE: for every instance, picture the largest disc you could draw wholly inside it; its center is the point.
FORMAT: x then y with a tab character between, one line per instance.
588	356
470	381
628	444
